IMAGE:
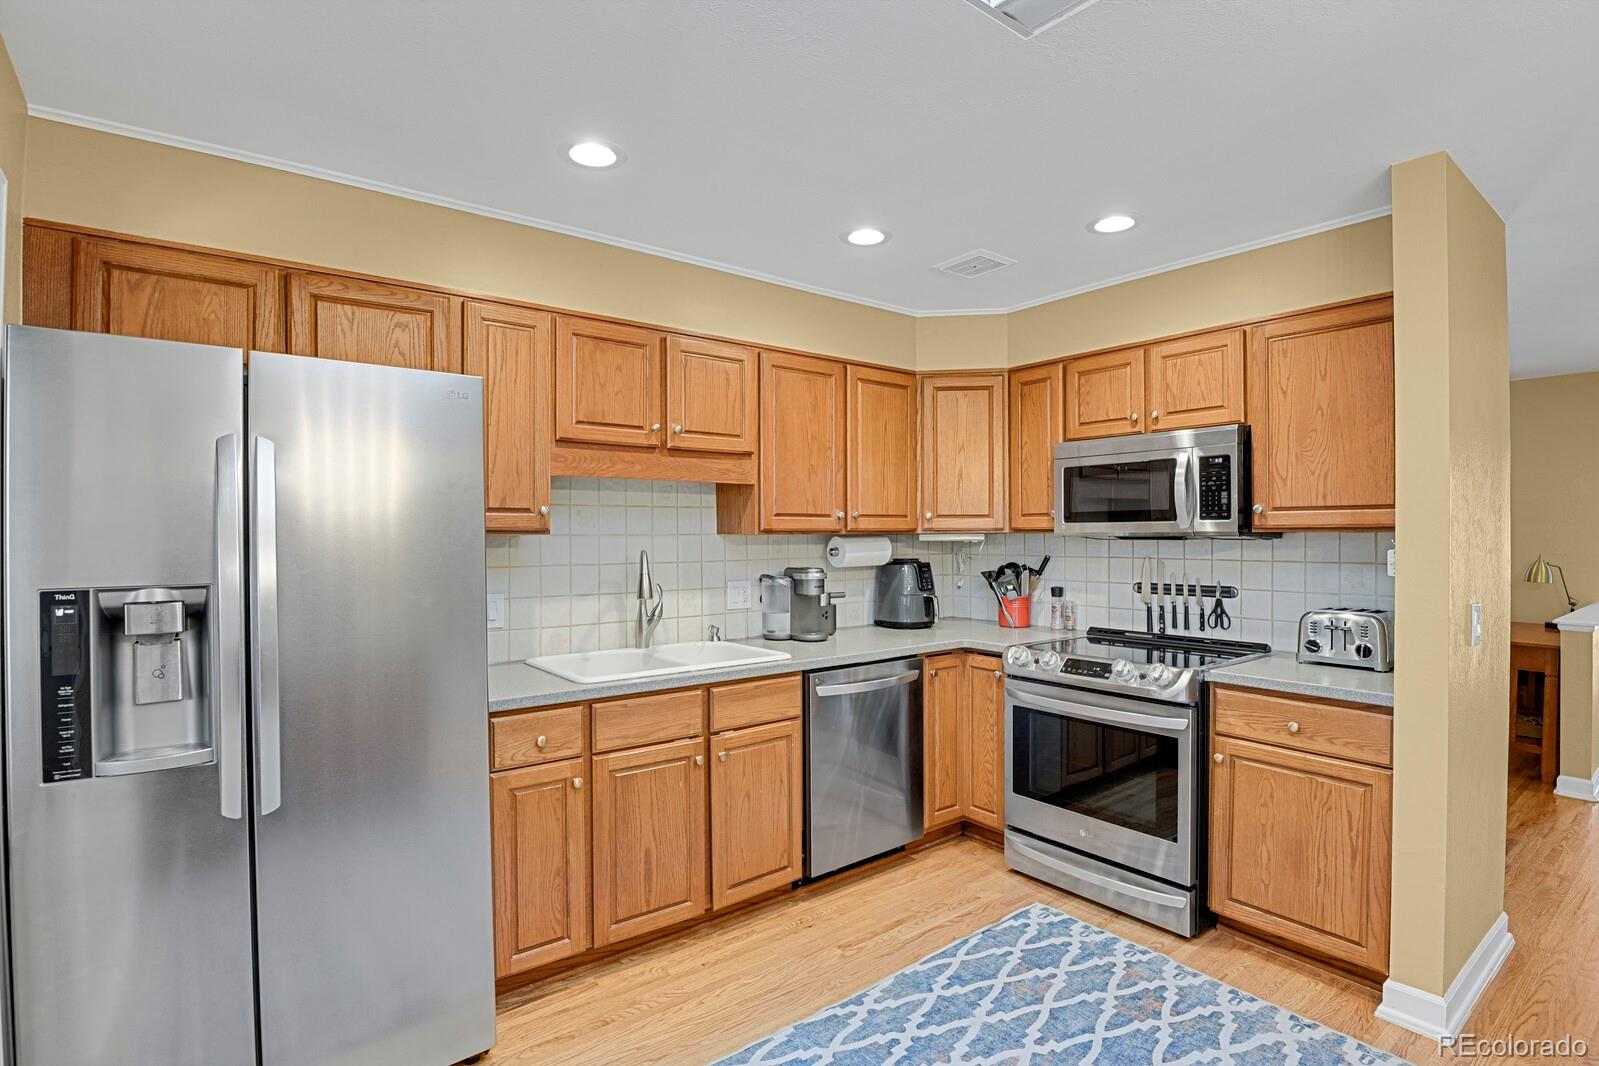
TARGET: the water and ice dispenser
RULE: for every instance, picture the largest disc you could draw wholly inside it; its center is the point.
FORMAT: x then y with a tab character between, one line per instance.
124	681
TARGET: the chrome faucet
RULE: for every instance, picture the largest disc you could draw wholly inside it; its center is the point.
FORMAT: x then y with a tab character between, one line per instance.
651	603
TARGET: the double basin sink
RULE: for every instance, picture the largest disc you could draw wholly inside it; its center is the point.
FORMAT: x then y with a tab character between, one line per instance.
631	664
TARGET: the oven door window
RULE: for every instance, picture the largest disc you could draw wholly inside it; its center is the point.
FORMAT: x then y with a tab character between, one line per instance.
1125	777
1137	491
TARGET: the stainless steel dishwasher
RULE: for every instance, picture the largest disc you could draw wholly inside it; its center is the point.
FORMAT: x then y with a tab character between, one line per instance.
863	780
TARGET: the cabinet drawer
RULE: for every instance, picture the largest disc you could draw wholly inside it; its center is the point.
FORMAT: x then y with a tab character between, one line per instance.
1341	730
651	719
536	736
771	699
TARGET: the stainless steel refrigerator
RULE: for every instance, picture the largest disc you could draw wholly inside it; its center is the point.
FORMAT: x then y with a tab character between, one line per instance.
246	780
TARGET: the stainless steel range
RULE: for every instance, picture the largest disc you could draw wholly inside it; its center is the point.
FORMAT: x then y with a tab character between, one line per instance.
1105	742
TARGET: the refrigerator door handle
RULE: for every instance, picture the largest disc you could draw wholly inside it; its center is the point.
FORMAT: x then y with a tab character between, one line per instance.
264	635
227	630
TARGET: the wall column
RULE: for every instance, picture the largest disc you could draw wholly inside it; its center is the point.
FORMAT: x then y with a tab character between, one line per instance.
1579	712
1452	415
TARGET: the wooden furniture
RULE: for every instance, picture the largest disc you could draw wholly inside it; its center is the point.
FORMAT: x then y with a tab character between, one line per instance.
757	810
943	715
1535	687
880	450
1301	807
963	451
963	740
511	348
1195	381
984	802
711	389
607	383
334	316
1321	405
1105	394
1036	414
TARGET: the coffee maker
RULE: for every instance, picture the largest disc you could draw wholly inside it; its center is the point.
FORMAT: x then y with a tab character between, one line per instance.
797	606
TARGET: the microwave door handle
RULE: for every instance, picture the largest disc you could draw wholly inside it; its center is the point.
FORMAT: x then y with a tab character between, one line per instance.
1182	493
264	634
227	630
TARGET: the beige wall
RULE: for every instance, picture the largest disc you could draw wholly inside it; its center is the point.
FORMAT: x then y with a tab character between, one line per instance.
1341	264
13	141
1452	385
960	342
1554	505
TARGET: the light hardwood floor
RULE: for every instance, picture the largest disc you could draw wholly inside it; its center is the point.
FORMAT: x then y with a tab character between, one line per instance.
711	991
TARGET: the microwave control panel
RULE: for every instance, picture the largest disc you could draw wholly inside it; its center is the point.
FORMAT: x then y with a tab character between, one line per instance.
64	679
1215	488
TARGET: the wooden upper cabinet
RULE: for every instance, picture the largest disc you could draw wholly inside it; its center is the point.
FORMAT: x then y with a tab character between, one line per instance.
985	741
1301	848
607	382
336	317
1105	394
963	451
757	811
511	349
881	450
1036	414
539	820
142	290
1195	381
944	693
712	395
1321	406
802	482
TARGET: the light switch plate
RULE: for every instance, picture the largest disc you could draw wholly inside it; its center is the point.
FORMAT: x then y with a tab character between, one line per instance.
1476	624
496	610
738	596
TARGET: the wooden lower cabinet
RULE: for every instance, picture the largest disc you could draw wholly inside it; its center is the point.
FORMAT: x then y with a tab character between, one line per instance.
984	802
540	831
963	740
757	811
650	821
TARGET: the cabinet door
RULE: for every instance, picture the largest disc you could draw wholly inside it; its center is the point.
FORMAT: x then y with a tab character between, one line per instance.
607	383
335	317
802	444
881	450
711	396
1037	415
540	827
943	741
1195	381
757	811
1321	404
650	865
139	290
1104	394
510	349
1300	848
963	451
985	743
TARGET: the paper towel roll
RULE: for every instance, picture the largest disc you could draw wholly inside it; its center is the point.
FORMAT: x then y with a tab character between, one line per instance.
858	551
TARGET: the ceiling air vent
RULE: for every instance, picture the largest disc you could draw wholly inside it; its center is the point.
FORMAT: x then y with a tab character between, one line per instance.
975	264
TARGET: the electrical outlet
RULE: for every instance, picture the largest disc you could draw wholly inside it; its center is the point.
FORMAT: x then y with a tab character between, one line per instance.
496	610
1476	624
738	596
1390	562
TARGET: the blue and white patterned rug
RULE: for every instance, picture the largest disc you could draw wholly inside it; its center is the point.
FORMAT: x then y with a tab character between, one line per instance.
1042	987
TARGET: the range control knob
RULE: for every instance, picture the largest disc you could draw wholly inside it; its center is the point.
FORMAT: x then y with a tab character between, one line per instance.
1121	670
1363	650
1019	657
1313	645
1161	674
1050	661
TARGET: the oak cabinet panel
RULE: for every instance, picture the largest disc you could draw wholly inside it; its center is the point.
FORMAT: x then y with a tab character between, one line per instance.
607	383
1300	849
963	451
711	395
539	825
802	464
742	704
511	349
943	740
1195	381
1104	394
337	317
1321	405
881	450
1036	415
757	811
984	802
141	290
650	861
546	735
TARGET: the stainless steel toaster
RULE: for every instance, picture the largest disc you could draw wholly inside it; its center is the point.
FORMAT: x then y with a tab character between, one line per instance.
1348	636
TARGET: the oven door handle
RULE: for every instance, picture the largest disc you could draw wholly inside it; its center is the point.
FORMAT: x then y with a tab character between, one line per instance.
1139	892
1154	723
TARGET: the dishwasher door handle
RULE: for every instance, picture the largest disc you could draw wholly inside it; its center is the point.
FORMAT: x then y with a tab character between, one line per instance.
852	687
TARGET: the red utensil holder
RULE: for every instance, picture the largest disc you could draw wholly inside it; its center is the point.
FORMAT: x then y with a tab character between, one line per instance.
1017	613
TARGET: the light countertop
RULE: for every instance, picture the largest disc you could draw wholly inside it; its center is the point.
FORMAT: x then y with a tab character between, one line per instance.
1280	672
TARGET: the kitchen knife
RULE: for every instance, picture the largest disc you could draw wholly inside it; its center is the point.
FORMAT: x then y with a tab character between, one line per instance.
1199	596
1149	612
1188	599
1161	597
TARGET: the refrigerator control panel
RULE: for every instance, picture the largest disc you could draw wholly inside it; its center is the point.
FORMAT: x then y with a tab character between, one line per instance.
64	652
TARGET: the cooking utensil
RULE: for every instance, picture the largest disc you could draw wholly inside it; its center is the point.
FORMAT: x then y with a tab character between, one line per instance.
1199	595
1161	598
994	586
1219	618
1188	599
1149	612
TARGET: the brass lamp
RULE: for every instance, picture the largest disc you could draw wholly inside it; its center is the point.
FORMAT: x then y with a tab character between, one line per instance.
1542	573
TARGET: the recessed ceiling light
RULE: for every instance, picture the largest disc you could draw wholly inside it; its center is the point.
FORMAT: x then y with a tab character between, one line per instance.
1115	223
866	236
592	154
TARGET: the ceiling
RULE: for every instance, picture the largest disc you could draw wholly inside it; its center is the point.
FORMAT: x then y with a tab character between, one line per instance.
756	132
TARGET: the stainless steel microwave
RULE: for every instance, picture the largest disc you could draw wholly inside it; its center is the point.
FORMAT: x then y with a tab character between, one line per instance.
1183	483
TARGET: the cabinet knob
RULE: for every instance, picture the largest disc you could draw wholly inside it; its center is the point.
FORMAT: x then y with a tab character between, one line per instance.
722	755
854	514
677	427
999	673
541	741
544	509
1133	417
577	782
655	427
699	760
838	514
928	515
1154	416
1293	727
1218	757
1259	508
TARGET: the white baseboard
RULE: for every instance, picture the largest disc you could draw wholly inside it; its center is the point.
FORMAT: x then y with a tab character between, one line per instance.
1578	788
1443	1016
